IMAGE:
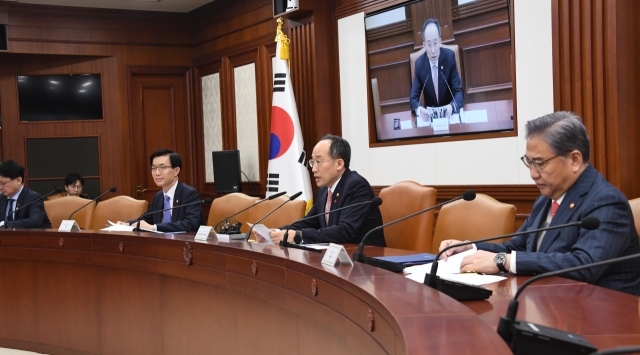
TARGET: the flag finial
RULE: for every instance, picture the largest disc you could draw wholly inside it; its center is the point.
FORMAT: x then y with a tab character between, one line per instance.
282	38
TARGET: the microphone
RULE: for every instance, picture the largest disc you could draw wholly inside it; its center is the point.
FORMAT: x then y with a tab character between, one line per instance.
206	201
465	292
113	189
523	336
295	196
244	209
390	265
55	191
376	201
422	93
453	98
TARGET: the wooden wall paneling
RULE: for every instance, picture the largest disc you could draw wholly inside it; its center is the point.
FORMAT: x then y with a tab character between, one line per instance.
595	76
627	137
346	8
488	67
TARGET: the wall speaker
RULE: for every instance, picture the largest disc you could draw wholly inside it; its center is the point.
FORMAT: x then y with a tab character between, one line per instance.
226	171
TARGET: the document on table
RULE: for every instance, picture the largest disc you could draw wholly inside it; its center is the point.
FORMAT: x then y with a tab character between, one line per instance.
262	230
450	270
114	227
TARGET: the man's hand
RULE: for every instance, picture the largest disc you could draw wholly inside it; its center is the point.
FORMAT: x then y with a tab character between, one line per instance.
446	243
146	225
449	110
123	223
482	262
277	235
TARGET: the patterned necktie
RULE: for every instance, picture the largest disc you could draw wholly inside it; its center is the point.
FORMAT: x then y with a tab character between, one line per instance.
434	74
554	208
166	218
328	206
10	209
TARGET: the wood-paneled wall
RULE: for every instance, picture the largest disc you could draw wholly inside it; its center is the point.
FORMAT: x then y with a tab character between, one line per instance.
594	63
596	55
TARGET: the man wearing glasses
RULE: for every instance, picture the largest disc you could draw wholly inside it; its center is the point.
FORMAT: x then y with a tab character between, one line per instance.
557	156
14	195
165	169
338	187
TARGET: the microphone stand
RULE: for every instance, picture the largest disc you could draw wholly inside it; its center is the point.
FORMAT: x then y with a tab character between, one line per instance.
390	265
137	227
6	218
295	196
547	339
113	189
274	196
284	242
466	292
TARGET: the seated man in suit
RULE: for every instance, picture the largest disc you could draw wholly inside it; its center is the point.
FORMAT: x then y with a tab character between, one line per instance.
436	76
165	169
557	156
14	195
338	187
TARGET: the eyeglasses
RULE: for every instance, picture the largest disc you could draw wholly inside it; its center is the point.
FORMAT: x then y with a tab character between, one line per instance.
162	168
4	183
317	162
539	165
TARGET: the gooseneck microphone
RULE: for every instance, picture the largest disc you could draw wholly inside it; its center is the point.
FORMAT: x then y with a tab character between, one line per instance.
544	339
6	218
376	201
466	292
390	265
453	98
206	201
295	196
274	196
113	189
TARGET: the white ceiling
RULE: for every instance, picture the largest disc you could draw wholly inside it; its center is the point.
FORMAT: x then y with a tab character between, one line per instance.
147	5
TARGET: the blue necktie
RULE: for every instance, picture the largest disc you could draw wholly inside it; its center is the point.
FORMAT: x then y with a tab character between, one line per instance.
10	209
167	214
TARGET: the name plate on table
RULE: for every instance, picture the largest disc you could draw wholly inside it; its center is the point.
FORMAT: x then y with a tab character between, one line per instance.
440	124
335	253
205	233
69	225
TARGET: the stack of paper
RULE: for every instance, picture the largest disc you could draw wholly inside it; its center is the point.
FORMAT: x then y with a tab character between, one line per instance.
450	270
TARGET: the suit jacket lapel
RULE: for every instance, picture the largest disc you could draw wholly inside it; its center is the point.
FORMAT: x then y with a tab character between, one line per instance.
21	201
322	201
177	197
570	203
337	195
544	203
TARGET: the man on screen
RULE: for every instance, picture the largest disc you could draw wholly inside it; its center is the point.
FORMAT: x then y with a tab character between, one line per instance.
557	156
15	195
165	169
436	76
338	187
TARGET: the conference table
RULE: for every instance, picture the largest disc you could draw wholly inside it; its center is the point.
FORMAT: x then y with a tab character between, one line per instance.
96	292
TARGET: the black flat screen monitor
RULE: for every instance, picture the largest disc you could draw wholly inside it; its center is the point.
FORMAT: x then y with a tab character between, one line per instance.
60	97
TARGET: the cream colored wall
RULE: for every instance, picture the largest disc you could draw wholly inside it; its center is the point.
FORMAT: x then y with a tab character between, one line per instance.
484	161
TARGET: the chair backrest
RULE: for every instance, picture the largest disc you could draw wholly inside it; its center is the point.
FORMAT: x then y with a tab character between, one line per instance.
635	209
229	204
119	208
402	199
55	196
59	209
415	55
289	213
471	220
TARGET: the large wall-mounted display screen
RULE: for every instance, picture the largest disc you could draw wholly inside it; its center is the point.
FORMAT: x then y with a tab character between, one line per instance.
60	97
452	77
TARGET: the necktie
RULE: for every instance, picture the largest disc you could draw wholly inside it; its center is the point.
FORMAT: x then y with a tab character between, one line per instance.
554	208
166	216
10	209
434	74
328	206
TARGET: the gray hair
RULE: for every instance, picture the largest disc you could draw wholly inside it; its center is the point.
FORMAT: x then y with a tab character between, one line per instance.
339	148
563	131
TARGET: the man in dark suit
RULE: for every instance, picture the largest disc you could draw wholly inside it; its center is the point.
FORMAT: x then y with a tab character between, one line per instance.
14	195
438	63
557	156
340	187
165	169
